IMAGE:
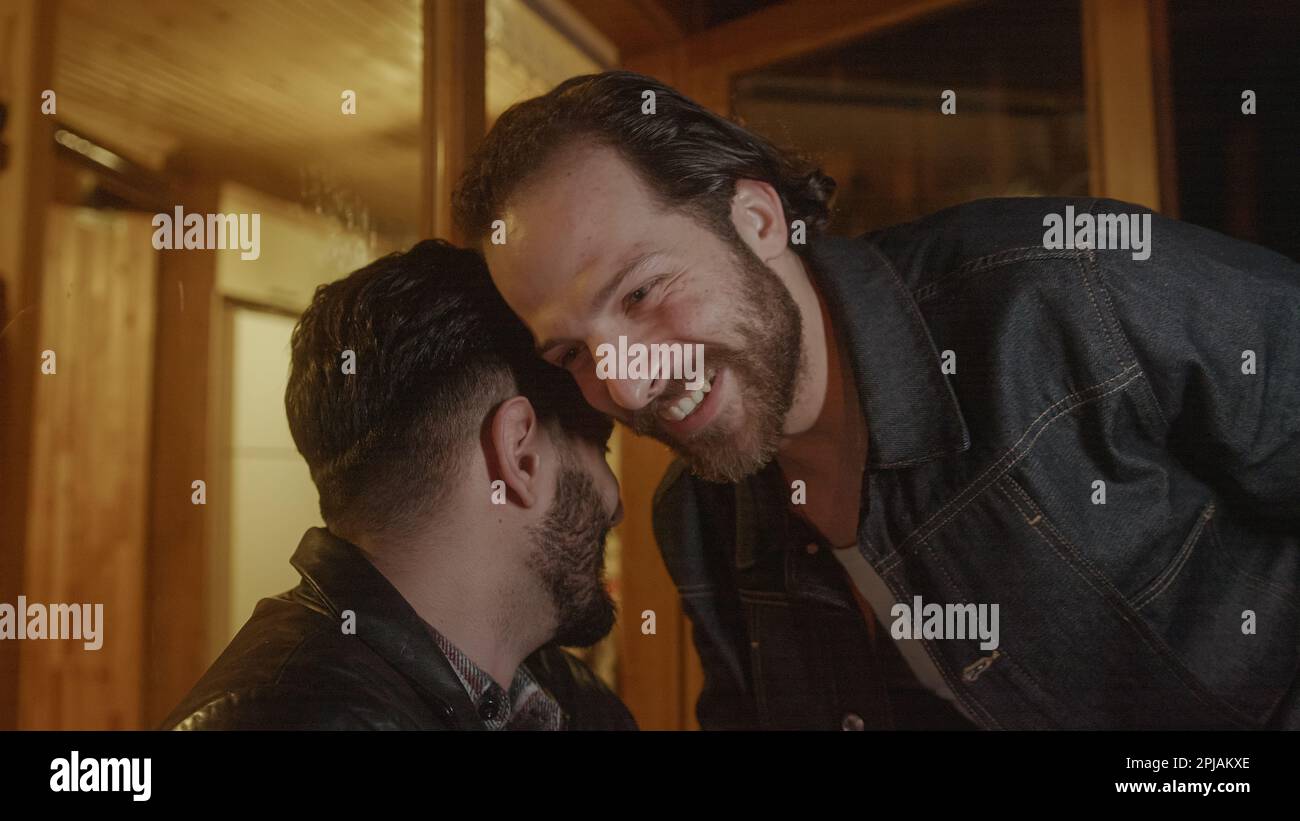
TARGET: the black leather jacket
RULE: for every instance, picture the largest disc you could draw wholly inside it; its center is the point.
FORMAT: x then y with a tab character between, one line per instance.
292	667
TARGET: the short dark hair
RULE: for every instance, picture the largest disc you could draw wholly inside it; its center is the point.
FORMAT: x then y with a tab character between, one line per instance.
690	157
435	349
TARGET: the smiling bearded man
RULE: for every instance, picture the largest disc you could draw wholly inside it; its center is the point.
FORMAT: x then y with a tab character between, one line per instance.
931	412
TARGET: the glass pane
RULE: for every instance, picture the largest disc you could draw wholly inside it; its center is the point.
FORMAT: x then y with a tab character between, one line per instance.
870	111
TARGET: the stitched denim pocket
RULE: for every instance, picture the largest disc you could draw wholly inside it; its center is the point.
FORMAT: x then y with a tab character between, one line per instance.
1166	576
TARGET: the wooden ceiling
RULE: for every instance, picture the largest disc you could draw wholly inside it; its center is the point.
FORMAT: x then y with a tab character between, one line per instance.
252	89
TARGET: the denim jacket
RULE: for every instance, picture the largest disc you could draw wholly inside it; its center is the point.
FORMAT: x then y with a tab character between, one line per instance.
1112	456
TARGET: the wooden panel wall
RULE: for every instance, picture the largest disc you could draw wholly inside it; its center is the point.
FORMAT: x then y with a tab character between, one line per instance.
26	68
90	467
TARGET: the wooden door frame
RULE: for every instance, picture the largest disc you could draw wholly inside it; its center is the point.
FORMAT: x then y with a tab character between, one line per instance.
25	196
1120	72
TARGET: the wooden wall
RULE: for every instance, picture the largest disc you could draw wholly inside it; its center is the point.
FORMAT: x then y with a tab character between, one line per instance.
87	520
26	68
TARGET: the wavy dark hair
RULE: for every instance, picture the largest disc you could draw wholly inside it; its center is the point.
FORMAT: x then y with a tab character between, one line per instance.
690	157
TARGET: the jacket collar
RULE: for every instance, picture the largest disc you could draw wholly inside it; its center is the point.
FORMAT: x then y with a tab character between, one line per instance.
344	579
912	413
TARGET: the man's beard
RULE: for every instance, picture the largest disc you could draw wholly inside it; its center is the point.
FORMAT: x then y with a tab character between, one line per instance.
569	557
771	329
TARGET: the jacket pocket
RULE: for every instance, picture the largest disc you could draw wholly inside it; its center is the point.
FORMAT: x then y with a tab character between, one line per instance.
1167	667
1162	580
1224	606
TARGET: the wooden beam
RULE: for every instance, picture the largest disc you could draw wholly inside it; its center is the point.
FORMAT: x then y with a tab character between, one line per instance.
1123	158
452	122
634	26
26	69
181	533
708	61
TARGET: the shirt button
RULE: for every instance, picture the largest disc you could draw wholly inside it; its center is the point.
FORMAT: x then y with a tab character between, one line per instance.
811	548
489	709
852	721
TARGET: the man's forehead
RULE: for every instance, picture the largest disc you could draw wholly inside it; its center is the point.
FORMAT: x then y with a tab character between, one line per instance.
567	232
548	269
558	299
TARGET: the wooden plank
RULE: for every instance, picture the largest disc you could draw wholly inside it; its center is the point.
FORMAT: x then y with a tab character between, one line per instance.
27	30
1117	59
650	666
452	122
88	516
180	533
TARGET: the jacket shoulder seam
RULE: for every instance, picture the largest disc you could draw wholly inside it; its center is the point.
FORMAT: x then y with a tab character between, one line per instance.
989	262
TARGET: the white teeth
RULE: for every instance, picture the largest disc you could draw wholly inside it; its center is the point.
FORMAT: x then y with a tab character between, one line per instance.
686	405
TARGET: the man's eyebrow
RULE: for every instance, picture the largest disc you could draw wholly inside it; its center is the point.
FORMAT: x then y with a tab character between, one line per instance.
602	296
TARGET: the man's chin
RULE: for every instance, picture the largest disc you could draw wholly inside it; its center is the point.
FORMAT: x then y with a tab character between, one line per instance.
729	449
732	470
590	627
722	459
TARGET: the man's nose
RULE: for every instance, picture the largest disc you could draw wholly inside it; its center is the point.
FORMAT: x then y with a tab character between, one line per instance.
633	394
618	515
629	394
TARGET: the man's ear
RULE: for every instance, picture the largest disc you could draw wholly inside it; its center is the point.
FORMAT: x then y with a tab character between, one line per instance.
514	454
759	218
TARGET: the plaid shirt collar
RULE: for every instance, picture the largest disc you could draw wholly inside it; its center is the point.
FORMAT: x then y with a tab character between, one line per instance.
527	706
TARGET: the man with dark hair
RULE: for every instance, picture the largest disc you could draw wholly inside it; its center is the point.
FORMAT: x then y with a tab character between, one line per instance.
466	500
962	472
